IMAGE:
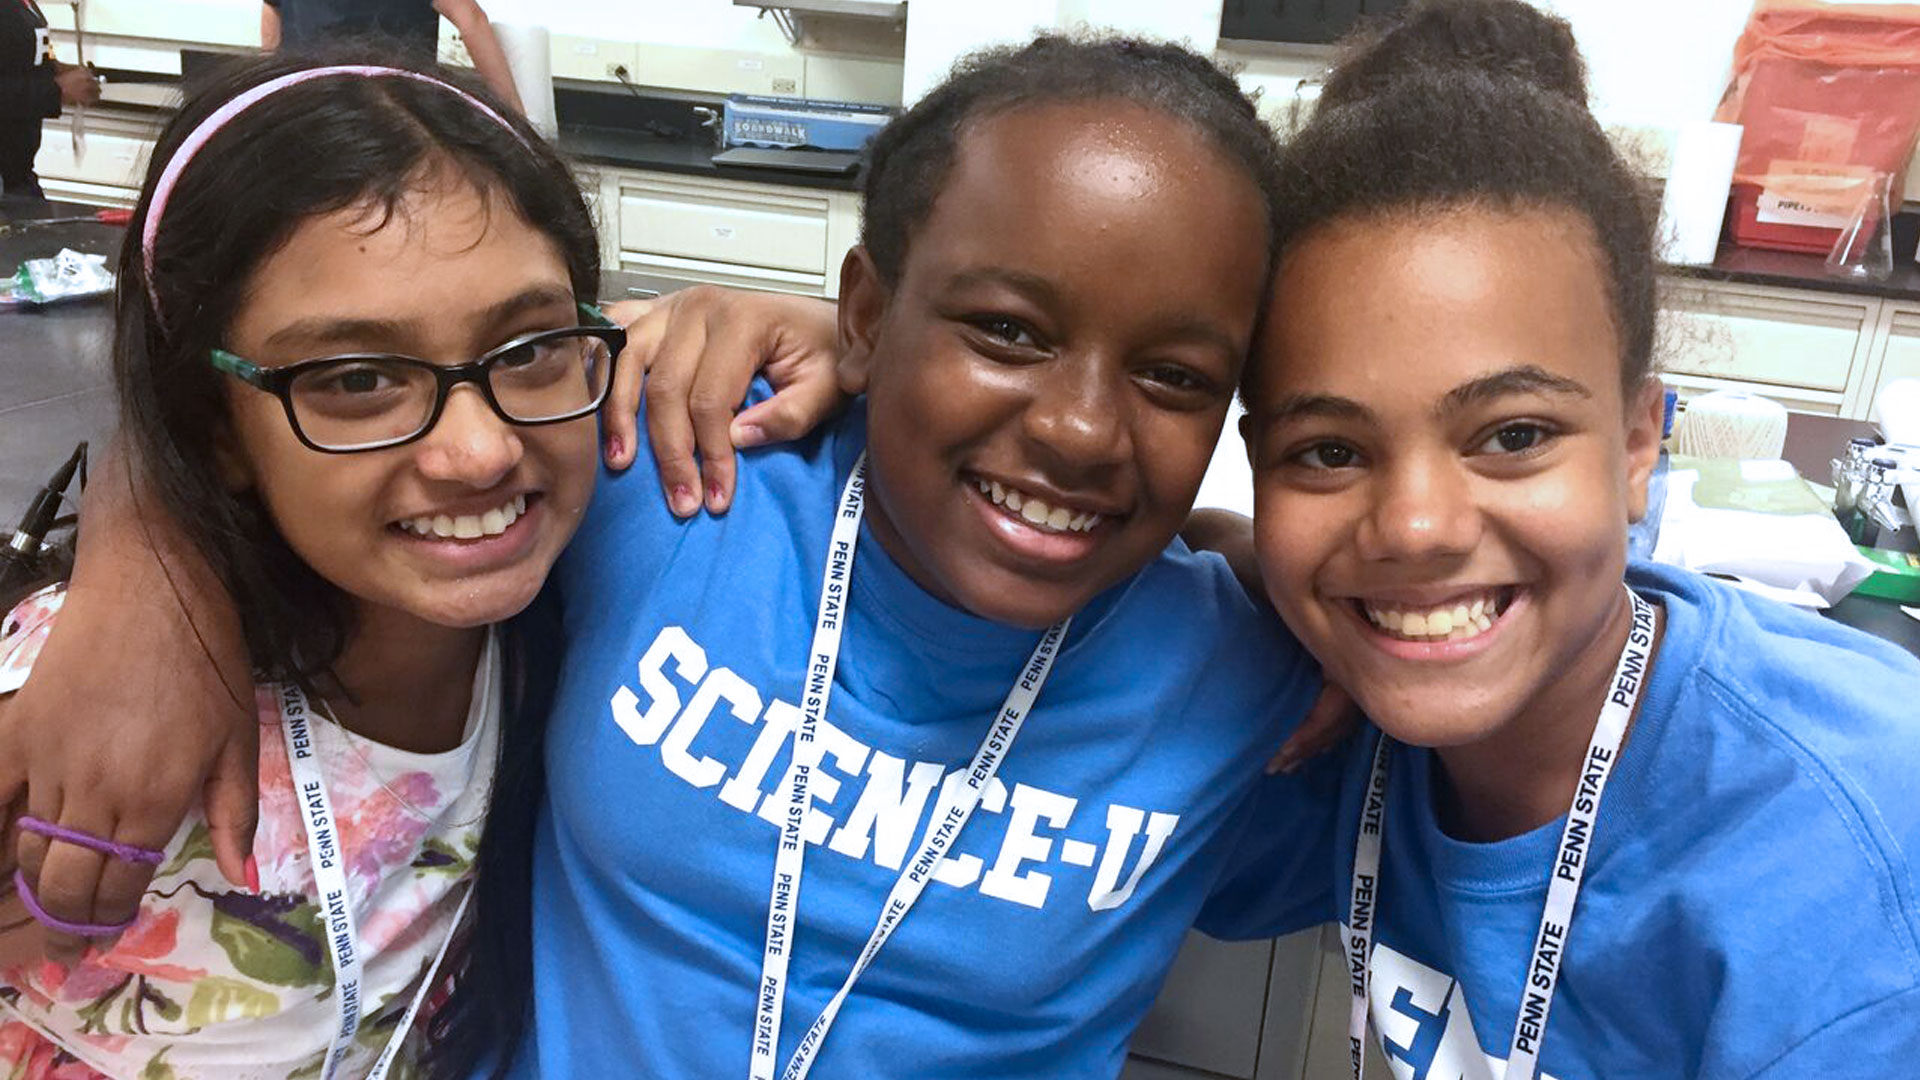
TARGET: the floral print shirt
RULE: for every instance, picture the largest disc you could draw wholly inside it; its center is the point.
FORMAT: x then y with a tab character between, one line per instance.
214	981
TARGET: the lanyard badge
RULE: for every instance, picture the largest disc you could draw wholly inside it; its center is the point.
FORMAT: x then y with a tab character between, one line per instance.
1563	888
949	818
337	920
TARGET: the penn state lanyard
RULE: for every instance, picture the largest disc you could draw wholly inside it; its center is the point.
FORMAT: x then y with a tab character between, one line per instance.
1563	885
337	921
942	830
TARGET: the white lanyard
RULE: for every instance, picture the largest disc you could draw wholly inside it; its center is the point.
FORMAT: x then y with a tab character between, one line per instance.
948	820
336	905
1563	887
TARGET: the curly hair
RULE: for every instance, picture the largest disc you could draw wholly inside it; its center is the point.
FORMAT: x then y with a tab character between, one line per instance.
1465	103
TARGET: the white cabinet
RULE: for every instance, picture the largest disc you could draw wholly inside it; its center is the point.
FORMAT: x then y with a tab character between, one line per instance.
1898	349
111	170
1807	350
731	232
1252	1011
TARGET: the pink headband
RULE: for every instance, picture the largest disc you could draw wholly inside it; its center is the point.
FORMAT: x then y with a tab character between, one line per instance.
211	126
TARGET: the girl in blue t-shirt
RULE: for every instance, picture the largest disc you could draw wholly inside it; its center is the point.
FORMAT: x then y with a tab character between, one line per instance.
1659	829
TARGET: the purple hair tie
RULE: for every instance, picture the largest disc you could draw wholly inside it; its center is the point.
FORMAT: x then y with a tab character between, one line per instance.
54	922
123	852
163	188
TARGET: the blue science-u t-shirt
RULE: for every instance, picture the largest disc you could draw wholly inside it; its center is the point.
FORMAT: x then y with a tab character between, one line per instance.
1131	805
1749	907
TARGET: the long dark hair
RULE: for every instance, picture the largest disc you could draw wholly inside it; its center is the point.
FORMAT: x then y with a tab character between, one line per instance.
311	149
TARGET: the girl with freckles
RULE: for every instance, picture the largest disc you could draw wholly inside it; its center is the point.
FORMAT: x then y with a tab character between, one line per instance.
1610	819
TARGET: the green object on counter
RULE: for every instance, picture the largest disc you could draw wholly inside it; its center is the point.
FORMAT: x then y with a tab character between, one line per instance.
1897	576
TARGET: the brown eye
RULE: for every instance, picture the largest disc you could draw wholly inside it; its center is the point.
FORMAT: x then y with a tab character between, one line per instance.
1516	438
1327	455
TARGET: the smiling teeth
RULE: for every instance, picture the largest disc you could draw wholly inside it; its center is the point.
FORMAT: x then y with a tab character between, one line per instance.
1457	621
1035	511
468	526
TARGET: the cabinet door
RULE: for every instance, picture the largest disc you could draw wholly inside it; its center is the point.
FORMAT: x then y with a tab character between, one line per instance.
1902	357
1209	1013
1797	346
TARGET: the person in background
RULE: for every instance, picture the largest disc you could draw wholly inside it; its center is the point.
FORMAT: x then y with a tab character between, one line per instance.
298	24
33	87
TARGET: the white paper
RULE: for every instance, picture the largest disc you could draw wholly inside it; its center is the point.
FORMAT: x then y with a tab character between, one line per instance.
530	58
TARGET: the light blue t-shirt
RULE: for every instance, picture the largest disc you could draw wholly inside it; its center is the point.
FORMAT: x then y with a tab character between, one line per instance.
1749	906
1126	804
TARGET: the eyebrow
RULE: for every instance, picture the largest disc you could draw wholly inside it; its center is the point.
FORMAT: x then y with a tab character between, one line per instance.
1033	286
1042	291
1509	382
321	330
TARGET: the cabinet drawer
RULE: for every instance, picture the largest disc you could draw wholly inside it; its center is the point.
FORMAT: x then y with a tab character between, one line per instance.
112	159
714	223
1777	337
1903	351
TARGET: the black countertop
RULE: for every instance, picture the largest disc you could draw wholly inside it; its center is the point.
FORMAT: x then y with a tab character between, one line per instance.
1793	270
637	150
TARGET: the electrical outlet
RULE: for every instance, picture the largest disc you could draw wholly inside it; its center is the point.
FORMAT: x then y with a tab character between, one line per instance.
786	86
618	72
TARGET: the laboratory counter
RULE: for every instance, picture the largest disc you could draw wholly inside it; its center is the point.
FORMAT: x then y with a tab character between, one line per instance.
1794	270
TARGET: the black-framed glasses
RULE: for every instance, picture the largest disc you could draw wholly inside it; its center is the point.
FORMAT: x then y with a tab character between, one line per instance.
372	401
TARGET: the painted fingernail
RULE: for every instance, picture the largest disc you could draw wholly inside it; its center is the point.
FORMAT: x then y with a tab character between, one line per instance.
745	435
253	874
615	447
682	499
714	495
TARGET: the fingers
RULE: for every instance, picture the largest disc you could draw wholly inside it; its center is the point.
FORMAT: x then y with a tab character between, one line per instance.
232	799
64	878
1331	719
13	803
793	411
670	381
735	349
619	415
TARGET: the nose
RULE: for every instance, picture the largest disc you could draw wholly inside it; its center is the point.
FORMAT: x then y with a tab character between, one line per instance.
1077	415
1423	509
470	444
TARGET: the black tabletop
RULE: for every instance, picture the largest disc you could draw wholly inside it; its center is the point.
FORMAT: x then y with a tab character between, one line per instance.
55	383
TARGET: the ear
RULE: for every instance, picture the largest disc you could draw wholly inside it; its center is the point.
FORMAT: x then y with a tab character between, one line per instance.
1646	416
863	308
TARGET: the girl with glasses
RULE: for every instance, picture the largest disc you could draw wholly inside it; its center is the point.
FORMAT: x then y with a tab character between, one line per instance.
357	367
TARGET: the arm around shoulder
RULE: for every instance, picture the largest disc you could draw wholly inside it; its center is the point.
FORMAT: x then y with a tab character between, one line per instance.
139	704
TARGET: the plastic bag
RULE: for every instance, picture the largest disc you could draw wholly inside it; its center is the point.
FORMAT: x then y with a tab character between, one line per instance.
69	275
1829	95
1760	525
